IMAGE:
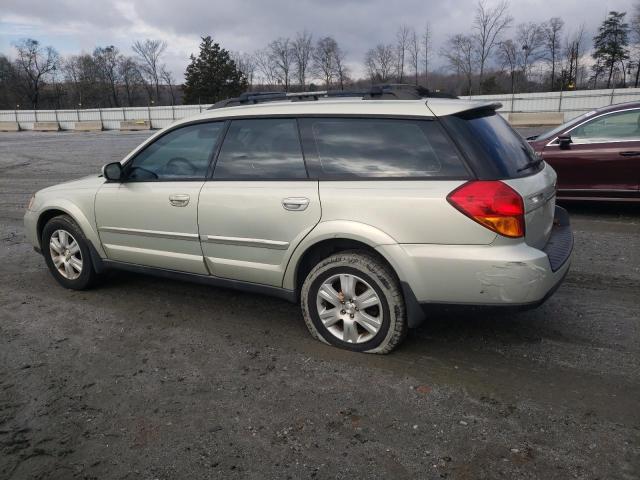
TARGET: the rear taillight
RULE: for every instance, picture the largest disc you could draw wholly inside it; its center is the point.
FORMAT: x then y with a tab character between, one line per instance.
492	204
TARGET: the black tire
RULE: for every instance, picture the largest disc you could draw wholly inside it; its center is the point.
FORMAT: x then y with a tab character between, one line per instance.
87	276
380	278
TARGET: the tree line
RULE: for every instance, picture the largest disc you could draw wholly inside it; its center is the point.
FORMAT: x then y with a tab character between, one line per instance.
494	56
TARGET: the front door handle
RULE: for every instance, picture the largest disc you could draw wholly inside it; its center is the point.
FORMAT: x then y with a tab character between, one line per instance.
295	204
630	154
179	199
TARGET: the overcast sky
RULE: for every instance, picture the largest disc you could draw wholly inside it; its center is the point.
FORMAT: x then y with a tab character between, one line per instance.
73	26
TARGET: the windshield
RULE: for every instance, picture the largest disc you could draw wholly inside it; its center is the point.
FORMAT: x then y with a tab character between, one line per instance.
557	130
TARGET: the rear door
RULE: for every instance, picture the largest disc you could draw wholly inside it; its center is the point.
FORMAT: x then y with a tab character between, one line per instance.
603	158
260	202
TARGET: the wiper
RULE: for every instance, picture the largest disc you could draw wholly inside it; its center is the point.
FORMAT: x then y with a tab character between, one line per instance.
532	137
531	164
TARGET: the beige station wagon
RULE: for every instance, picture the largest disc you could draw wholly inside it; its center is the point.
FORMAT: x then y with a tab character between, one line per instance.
365	209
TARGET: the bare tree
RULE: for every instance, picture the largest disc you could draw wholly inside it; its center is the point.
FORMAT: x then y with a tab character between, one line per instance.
149	53
380	62
324	59
342	71
282	57
573	51
509	56
426	43
34	63
265	67
530	38
167	78
489	25
553	34
459	53
414	53
246	63
402	45
302	49
107	62
130	76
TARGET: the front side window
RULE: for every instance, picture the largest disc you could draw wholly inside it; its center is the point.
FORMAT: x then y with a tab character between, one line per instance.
382	148
615	127
266	149
182	154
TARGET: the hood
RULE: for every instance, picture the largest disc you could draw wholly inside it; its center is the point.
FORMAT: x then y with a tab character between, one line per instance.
90	181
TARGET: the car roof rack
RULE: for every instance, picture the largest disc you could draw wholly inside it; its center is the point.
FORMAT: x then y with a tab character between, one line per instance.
391	91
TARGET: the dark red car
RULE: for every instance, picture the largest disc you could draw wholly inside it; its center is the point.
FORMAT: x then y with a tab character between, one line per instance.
596	155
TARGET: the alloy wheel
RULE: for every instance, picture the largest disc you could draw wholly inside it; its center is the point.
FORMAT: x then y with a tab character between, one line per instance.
65	254
349	308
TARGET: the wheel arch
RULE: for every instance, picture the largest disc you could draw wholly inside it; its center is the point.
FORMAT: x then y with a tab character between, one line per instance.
331	237
77	215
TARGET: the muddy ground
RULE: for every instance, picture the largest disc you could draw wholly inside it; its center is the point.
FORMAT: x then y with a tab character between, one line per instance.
149	378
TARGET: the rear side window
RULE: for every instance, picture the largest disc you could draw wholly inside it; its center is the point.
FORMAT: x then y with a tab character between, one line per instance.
494	149
266	149
380	148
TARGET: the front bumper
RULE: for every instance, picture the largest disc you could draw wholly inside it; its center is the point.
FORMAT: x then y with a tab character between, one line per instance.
31	228
513	274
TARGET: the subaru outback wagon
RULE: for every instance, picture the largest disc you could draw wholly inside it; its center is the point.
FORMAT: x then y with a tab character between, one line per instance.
364	210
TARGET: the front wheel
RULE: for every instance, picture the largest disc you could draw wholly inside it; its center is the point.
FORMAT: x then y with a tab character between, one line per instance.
66	251
354	301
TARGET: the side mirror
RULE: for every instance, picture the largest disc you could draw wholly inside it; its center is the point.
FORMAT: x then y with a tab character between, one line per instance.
112	171
564	141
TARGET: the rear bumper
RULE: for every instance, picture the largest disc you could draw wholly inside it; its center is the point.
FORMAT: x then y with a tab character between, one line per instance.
514	274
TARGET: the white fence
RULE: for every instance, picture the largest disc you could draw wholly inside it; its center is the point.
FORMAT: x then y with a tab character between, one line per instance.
110	117
570	103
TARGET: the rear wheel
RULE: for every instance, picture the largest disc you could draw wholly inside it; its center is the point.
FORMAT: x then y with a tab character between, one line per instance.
66	251
353	300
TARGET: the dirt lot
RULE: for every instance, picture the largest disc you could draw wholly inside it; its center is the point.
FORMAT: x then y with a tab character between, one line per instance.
149	378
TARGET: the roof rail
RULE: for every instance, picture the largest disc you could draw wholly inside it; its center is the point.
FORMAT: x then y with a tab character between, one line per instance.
392	91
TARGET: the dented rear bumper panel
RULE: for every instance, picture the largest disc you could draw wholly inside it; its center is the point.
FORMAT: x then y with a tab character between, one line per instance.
513	274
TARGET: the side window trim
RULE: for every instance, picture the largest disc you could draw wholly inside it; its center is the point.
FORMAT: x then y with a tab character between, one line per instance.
218	149
127	165
554	141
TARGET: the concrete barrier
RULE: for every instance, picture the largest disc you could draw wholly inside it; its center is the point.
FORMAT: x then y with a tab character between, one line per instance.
88	126
135	125
534	119
9	127
46	126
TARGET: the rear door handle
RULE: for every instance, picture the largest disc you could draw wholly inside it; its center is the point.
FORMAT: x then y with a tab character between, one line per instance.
179	199
630	154
295	203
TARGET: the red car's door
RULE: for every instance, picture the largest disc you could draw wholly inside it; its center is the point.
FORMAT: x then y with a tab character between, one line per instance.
603	159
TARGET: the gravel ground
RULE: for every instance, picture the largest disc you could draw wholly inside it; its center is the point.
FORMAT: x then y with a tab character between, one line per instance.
150	378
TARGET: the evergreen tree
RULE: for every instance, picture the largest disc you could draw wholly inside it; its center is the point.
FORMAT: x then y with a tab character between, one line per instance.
212	75
611	45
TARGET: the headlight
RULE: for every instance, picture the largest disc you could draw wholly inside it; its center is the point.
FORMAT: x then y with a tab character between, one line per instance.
31	201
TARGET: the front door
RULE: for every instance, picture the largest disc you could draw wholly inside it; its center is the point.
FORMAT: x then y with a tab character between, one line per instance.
260	203
151	217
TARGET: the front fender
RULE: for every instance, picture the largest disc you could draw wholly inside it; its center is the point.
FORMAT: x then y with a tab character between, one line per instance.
83	216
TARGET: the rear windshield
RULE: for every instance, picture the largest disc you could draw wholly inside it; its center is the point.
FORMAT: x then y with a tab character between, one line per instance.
493	148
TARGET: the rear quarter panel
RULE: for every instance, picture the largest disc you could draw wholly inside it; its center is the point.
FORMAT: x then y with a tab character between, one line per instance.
408	211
